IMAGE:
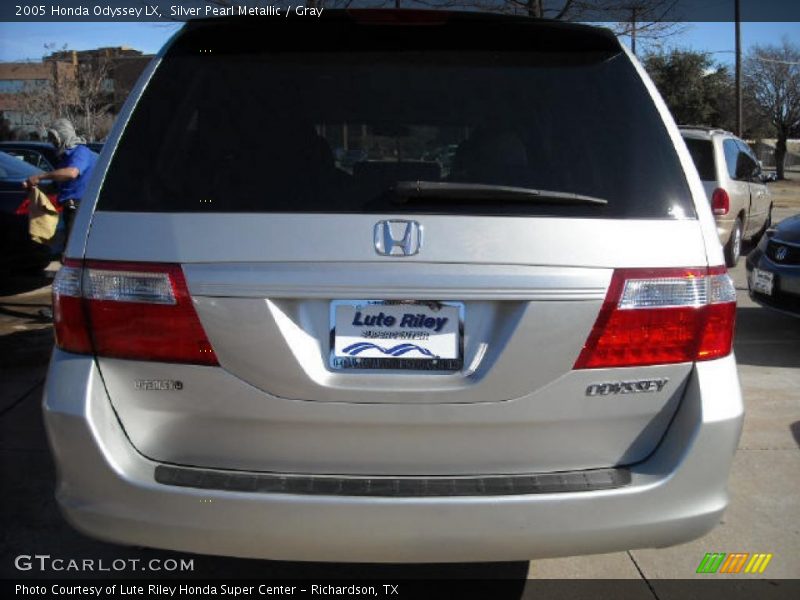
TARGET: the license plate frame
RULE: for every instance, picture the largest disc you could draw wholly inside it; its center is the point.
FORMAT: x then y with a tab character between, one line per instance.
374	355
762	282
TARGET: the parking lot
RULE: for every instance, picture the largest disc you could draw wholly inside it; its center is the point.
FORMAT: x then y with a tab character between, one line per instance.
764	515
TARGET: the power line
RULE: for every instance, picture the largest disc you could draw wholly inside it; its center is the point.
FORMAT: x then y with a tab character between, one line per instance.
774	60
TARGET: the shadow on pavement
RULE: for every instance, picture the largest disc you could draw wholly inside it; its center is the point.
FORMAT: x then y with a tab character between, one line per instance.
26	348
795	427
766	338
12	309
19	284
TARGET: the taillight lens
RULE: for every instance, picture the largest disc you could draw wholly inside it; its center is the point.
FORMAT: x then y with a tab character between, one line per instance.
128	310
720	202
662	316
69	318
24	208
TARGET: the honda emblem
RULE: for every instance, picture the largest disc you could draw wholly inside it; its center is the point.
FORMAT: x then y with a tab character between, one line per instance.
398	238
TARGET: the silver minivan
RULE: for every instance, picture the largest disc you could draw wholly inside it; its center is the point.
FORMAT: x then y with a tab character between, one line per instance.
735	186
501	331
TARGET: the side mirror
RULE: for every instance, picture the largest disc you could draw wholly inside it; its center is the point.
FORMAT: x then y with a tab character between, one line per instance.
744	167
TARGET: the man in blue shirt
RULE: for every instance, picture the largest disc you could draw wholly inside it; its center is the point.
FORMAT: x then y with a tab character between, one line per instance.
73	171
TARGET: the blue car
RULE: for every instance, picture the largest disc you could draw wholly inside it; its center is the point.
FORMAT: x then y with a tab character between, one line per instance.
773	268
18	253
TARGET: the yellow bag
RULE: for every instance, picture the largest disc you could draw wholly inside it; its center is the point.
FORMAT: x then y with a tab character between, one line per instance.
43	217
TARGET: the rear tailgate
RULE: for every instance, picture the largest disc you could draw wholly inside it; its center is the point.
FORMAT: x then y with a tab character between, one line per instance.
279	239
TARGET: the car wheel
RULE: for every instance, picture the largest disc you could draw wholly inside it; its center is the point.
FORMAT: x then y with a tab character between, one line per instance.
733	248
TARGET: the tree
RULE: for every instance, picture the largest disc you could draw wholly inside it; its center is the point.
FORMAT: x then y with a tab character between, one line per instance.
700	92
639	19
693	87
6	131
38	103
76	90
93	94
772	81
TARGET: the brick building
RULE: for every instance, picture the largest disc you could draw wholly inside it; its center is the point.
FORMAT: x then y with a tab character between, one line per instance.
16	78
56	72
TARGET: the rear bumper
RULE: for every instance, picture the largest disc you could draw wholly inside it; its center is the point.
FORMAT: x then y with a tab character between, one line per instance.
108	490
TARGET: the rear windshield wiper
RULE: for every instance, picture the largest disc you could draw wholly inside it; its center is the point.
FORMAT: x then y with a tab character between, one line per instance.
406	191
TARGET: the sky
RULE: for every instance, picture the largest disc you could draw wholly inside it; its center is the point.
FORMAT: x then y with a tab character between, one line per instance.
26	41
719	38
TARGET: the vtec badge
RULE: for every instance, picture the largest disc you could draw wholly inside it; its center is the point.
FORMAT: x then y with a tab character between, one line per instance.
642	386
158	385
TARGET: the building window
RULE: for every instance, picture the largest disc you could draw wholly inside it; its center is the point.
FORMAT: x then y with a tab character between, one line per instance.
15	86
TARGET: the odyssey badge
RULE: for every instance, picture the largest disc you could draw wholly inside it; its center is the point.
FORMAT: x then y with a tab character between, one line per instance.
642	386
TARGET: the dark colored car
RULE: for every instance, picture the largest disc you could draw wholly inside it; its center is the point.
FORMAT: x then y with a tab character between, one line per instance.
41	155
773	268
17	251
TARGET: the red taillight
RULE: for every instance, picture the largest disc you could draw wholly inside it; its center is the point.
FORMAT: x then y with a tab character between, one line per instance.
720	202
69	318
25	207
662	316
138	311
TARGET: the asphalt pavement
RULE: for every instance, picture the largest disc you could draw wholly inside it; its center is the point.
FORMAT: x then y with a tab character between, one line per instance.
763	517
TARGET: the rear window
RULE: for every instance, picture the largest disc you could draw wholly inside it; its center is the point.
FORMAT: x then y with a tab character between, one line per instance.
277	129
731	150
32	157
702	152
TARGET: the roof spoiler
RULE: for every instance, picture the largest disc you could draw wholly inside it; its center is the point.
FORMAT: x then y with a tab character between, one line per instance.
352	30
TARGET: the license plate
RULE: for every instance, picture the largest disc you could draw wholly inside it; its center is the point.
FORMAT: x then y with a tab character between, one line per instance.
762	282
378	334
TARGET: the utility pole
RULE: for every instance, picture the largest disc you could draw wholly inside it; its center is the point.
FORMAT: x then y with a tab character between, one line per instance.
633	29
737	18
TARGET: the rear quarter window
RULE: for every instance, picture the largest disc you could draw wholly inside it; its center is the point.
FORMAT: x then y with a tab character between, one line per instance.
731	150
702	152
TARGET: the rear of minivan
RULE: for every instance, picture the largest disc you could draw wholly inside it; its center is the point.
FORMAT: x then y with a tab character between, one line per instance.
734	185
503	331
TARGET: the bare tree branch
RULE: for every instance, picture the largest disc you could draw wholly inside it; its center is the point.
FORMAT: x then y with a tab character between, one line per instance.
564	10
76	90
772	79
